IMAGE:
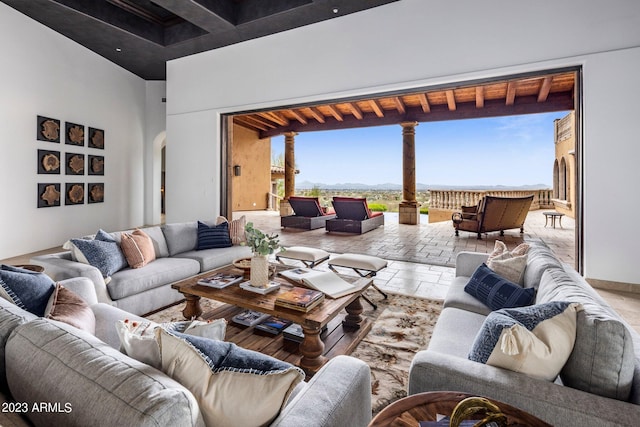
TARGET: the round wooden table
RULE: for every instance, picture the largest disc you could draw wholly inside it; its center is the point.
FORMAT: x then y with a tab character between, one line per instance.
409	411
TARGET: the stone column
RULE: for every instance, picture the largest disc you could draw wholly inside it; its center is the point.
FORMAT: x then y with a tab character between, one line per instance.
289	173
409	207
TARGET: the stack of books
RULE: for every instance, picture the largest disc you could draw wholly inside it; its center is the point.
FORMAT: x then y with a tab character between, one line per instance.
272	325
220	280
300	299
249	317
270	287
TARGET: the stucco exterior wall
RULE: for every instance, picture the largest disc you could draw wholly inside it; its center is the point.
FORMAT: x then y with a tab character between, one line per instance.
250	190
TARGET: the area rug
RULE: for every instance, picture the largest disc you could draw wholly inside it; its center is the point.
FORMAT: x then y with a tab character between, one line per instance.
402	326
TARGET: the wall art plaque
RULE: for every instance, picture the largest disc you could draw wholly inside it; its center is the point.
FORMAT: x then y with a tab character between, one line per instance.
48	162
74	163
48	129
96	138
74	134
48	195
74	193
96	192
96	165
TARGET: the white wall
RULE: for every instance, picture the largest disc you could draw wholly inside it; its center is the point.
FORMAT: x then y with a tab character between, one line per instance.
44	73
414	43
154	140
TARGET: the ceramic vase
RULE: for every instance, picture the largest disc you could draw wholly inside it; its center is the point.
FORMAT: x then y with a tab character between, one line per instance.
259	270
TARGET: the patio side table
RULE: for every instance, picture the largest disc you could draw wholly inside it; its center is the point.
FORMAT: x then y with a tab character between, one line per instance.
553	216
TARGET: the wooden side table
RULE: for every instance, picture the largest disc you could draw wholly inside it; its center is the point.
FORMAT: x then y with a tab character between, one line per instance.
409	411
553	216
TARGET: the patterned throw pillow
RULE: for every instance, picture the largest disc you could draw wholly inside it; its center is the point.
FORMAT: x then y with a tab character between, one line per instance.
509	264
137	248
213	237
236	229
535	340
103	252
495	291
68	307
233	386
25	288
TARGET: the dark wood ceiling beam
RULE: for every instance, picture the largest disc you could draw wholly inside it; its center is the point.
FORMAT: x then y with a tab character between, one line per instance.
335	113
511	94
316	114
468	110
357	112
424	102
399	105
451	100
479	97
375	106
214	17
545	88
299	117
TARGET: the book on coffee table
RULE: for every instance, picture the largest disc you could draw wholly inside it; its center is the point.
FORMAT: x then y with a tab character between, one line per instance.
220	280
249	317
300	299
270	287
329	283
272	325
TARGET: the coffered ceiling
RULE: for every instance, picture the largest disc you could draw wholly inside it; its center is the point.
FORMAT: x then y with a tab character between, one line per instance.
141	35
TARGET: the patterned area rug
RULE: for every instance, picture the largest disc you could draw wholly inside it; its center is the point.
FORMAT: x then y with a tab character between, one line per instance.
402	326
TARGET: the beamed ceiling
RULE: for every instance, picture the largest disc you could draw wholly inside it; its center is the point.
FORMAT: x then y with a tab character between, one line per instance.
513	96
142	35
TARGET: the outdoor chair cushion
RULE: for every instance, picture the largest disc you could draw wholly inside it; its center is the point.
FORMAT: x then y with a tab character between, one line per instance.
306	206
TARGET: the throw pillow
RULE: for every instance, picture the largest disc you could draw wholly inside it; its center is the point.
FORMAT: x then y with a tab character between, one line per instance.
500	248
535	340
102	252
233	386
137	248
138	340
236	229
216	236
26	289
495	291
509	264
68	307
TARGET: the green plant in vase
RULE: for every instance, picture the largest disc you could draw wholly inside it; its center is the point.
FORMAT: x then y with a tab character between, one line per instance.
262	245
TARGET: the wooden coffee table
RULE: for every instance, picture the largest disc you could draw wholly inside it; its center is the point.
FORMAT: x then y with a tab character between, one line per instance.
342	316
409	411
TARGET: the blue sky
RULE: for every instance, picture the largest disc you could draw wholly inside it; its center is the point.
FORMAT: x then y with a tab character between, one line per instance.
513	150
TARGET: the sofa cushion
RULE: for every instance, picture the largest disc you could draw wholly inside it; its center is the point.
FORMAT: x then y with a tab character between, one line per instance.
11	316
496	291
161	272
138	248
25	288
233	386
181	236
138	338
603	358
103	252
217	257
159	242
210	237
455	331
457	297
535	340
539	259
66	306
94	383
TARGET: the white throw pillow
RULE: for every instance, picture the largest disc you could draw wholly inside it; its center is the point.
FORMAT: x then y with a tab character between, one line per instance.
509	264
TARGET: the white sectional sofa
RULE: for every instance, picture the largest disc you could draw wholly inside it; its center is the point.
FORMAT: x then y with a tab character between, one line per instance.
143	290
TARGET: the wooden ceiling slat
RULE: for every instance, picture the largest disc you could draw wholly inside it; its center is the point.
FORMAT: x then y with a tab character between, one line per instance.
335	113
355	110
424	102
399	105
276	117
451	100
545	88
375	106
299	117
247	122
262	122
511	93
316	114
479	97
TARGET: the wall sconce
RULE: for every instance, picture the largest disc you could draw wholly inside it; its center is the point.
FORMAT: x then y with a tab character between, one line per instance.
237	171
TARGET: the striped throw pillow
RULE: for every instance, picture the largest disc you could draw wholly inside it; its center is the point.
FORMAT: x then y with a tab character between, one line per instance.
213	237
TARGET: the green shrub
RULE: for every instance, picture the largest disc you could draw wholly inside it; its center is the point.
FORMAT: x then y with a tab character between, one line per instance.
424	210
377	207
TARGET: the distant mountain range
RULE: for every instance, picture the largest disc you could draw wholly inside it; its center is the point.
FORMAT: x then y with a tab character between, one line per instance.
306	185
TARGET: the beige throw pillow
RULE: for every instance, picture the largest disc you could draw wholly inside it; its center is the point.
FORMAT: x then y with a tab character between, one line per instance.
236	229
137	248
509	264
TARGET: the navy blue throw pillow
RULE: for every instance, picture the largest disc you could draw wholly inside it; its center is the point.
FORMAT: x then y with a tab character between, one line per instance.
103	252
213	237
26	289
497	292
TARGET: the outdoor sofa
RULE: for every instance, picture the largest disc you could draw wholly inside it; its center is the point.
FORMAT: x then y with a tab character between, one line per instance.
493	214
143	290
603	368
308	214
55	374
353	216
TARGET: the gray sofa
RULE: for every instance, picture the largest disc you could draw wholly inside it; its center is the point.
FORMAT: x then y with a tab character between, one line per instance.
143	290
60	375
615	355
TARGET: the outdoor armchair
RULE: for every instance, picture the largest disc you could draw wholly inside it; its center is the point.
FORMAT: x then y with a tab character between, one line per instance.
354	216
308	214
493	214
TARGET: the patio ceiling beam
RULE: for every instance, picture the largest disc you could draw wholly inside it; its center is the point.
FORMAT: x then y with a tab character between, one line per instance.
467	110
335	113
424	102
479	97
357	112
511	93
316	114
451	100
299	117
250	124
375	106
399	105
276	117
544	89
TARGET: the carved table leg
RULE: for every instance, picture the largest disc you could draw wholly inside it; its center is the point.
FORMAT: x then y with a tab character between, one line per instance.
353	319
192	309
311	349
